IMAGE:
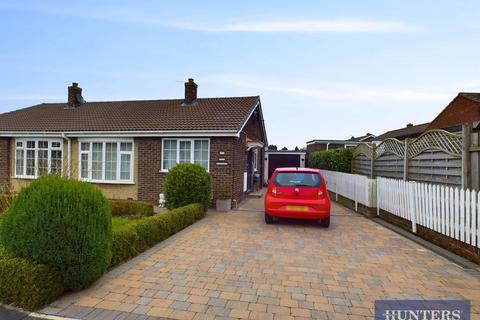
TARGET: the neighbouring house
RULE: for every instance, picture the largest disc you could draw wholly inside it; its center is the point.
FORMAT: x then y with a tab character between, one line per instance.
464	108
282	158
368	137
325	144
127	147
409	131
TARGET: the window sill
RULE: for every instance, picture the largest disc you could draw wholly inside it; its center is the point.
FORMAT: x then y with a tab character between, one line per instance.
166	171
24	177
108	182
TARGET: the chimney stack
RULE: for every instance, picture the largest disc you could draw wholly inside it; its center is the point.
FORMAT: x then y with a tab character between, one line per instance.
190	91
74	95
409	125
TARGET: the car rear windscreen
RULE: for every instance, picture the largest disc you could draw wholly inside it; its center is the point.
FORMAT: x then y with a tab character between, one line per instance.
297	179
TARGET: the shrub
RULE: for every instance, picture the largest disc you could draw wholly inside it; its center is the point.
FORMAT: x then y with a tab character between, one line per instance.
223	193
187	183
62	223
130	239
335	160
27	284
131	208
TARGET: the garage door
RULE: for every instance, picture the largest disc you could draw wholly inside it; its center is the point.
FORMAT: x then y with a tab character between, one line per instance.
282	160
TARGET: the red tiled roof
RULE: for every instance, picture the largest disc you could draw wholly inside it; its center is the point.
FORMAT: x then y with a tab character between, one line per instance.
215	114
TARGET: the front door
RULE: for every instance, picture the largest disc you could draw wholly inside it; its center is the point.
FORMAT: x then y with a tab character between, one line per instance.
249	170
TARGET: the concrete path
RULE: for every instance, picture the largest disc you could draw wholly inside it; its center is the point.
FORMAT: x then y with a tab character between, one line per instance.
233	265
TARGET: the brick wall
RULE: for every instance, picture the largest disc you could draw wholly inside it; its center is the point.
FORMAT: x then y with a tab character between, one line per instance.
4	160
221	174
462	249
239	167
150	179
253	128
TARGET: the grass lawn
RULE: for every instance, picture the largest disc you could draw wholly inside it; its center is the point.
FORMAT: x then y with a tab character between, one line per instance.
118	222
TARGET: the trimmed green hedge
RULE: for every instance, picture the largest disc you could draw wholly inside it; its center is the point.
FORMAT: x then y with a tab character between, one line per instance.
131	208
27	284
62	223
187	183
334	160
133	238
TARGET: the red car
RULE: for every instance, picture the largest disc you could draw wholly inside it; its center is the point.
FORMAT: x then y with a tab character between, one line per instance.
299	193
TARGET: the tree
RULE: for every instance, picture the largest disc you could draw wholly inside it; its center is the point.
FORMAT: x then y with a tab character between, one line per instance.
296	149
284	149
272	147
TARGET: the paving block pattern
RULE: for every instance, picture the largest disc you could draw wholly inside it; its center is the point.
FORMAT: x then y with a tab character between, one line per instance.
234	266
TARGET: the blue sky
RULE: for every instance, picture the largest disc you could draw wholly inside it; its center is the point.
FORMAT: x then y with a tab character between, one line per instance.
323	69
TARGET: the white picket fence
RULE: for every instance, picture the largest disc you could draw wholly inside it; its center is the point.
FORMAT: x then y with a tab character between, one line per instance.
352	186
447	210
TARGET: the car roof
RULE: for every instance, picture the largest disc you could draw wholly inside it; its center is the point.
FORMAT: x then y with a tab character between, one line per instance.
290	169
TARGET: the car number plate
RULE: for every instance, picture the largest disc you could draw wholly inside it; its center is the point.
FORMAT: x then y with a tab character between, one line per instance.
297	208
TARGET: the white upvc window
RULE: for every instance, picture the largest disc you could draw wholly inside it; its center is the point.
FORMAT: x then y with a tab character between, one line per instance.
176	151
106	161
36	157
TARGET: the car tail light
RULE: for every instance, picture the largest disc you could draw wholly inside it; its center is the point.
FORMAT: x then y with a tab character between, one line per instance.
274	192
322	191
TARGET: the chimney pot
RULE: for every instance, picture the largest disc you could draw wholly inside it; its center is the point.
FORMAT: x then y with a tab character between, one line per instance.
73	91
190	91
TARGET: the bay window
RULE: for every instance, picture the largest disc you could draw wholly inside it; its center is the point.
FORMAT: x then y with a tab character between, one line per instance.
38	157
106	161
185	150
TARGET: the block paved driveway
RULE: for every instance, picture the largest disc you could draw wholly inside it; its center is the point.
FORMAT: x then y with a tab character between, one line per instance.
235	266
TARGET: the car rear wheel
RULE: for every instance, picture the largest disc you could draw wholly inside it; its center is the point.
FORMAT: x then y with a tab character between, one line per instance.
268	218
325	222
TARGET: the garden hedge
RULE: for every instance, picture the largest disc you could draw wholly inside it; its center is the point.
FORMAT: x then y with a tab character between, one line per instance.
334	160
187	183
65	224
131	208
131	239
27	284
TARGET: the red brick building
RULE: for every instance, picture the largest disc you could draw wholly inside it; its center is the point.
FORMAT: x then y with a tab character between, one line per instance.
127	147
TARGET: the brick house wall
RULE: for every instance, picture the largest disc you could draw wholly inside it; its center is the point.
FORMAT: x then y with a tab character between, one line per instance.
150	179
4	160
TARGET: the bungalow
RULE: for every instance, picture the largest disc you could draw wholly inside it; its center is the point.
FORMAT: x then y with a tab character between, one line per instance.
127	147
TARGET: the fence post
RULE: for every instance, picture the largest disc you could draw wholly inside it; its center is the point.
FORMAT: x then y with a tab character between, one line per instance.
467	135
336	188
379	195
405	160
372	160
411	205
355	192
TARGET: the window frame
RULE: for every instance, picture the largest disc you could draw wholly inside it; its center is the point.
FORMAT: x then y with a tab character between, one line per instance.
192	151
24	148
255	160
104	142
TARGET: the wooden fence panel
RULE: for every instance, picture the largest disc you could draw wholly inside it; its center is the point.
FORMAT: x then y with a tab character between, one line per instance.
361	164
435	167
388	165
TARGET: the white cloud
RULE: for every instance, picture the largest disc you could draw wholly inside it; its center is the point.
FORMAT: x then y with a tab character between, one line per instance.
131	15
309	26
334	92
